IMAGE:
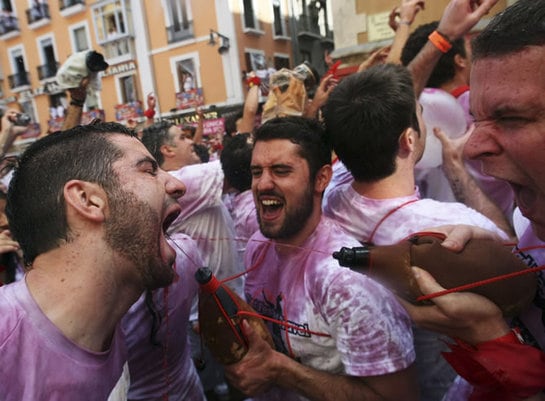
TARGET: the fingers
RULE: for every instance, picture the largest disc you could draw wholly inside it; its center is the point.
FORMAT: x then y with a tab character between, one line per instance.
425	281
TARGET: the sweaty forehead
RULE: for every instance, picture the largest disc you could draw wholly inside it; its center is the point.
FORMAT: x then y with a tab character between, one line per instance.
513	81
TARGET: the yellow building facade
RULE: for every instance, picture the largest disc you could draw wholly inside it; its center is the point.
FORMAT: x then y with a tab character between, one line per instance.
361	26
188	53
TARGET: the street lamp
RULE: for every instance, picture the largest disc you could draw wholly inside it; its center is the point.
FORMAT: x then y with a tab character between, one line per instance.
224	45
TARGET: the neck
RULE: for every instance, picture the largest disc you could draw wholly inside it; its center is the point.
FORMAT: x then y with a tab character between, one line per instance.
456	82
399	184
85	300
170	165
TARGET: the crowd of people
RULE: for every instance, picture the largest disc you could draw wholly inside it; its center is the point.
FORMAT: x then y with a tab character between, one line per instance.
103	229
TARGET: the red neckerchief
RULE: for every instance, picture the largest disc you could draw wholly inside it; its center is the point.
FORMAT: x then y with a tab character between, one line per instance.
459	90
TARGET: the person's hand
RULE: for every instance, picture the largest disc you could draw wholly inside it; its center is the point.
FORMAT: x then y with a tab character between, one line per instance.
327	84
254	374
9	131
465	315
79	94
453	147
377	57
462	15
7	244
457	236
405	13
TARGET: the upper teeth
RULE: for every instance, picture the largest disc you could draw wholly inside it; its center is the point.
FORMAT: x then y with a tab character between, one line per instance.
270	202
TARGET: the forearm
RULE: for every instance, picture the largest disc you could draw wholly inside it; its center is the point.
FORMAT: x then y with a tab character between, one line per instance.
422	66
402	34
323	386
250	110
467	191
72	117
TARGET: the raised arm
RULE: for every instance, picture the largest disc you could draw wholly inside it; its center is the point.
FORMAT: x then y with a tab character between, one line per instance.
74	111
406	12
457	20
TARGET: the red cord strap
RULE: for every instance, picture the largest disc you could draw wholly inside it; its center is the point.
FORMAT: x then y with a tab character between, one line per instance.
501	370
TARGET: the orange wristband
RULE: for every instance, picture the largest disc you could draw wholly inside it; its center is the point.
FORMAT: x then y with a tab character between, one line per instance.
440	41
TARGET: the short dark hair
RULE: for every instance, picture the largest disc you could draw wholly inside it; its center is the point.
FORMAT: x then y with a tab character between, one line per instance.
155	136
202	151
518	26
445	68
35	205
230	121
309	134
236	157
365	115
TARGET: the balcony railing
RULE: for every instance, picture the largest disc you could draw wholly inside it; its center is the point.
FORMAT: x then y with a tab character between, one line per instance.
119	47
8	23
69	3
48	70
38	12
179	32
18	79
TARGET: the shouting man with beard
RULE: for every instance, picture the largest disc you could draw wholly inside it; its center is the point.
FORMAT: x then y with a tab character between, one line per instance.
89	207
338	334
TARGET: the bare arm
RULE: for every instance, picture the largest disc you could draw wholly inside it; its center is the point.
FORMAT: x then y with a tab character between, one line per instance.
199	131
476	320
262	367
464	186
74	111
458	19
249	112
406	12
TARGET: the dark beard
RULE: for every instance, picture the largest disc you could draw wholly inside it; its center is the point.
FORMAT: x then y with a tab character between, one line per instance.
133	231
295	218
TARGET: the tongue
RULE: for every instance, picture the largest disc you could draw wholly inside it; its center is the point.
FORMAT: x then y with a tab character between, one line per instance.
271	212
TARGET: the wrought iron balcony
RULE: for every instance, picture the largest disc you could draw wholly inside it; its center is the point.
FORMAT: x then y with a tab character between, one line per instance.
179	32
19	79
8	23
69	3
48	70
38	12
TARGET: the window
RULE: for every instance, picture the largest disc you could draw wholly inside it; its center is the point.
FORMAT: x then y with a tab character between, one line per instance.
186	72
49	65
255	60
281	62
18	66
279	24
178	20
110	20
79	36
250	16
127	88
8	18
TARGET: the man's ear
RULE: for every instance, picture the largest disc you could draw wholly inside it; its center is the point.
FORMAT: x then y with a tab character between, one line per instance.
323	176
407	140
86	199
460	62
166	150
